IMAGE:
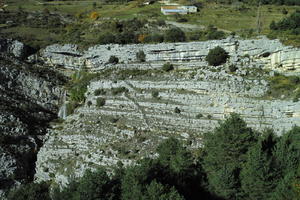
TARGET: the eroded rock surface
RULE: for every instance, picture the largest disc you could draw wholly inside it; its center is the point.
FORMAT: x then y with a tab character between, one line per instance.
270	53
143	105
29	100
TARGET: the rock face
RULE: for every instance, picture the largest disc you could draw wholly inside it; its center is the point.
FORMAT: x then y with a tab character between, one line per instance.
29	99
15	48
140	104
270	53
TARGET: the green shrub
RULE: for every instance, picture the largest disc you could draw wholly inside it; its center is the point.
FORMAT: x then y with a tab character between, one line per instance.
155	94
283	85
32	191
99	91
290	23
198	116
78	85
177	110
215	35
126	38
154	38
232	68
217	56
89	103
141	56
175	35
113	60
100	102
167	67
119	90
106	38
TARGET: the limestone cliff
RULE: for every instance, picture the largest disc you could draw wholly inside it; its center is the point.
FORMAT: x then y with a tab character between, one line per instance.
270	53
29	100
141	104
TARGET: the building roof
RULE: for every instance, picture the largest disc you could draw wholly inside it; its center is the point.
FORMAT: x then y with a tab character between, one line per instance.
174	10
170	7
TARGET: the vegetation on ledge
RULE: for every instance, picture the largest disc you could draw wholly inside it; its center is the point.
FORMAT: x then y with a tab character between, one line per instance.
235	162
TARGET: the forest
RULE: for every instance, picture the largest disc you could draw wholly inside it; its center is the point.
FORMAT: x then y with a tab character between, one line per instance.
234	162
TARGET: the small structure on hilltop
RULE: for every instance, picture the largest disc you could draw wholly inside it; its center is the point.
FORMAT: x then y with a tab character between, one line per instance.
183	10
190	9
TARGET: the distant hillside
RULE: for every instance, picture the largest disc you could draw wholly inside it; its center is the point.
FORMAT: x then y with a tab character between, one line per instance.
93	22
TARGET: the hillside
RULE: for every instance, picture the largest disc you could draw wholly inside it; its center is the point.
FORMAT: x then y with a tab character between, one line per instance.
83	22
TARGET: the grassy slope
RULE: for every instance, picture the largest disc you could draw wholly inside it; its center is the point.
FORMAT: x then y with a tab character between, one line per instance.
226	17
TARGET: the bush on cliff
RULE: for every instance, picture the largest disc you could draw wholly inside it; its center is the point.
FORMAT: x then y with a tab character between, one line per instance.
113	60
141	56
217	56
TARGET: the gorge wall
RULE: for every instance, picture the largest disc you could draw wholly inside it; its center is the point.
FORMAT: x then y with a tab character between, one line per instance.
130	107
29	100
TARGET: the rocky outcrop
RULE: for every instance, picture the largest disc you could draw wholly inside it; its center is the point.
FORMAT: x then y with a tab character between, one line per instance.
15	48
270	53
29	100
143	107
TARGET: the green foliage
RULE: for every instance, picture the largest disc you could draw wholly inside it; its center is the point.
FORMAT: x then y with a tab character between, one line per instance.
232	68
154	38
141	56
155	94
156	191
175	35
99	91
78	85
92	186
217	56
291	23
259	175
167	67
177	110
214	34
100	102
31	191
284	85
106	38
172	154
118	90
288	151
199	116
225	152
113	60
237	162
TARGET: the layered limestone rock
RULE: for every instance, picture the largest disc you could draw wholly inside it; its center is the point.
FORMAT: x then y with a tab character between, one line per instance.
271	53
128	112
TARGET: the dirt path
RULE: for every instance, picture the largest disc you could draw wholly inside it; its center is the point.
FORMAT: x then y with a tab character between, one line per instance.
186	26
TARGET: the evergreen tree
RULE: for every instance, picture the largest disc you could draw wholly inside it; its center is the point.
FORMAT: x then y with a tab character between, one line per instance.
287	155
225	152
258	175
157	191
217	56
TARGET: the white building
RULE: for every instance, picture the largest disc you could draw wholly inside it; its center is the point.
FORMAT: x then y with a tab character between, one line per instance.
183	10
190	9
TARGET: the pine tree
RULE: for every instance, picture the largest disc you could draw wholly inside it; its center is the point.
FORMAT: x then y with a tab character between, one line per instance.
225	152
258	175
287	155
